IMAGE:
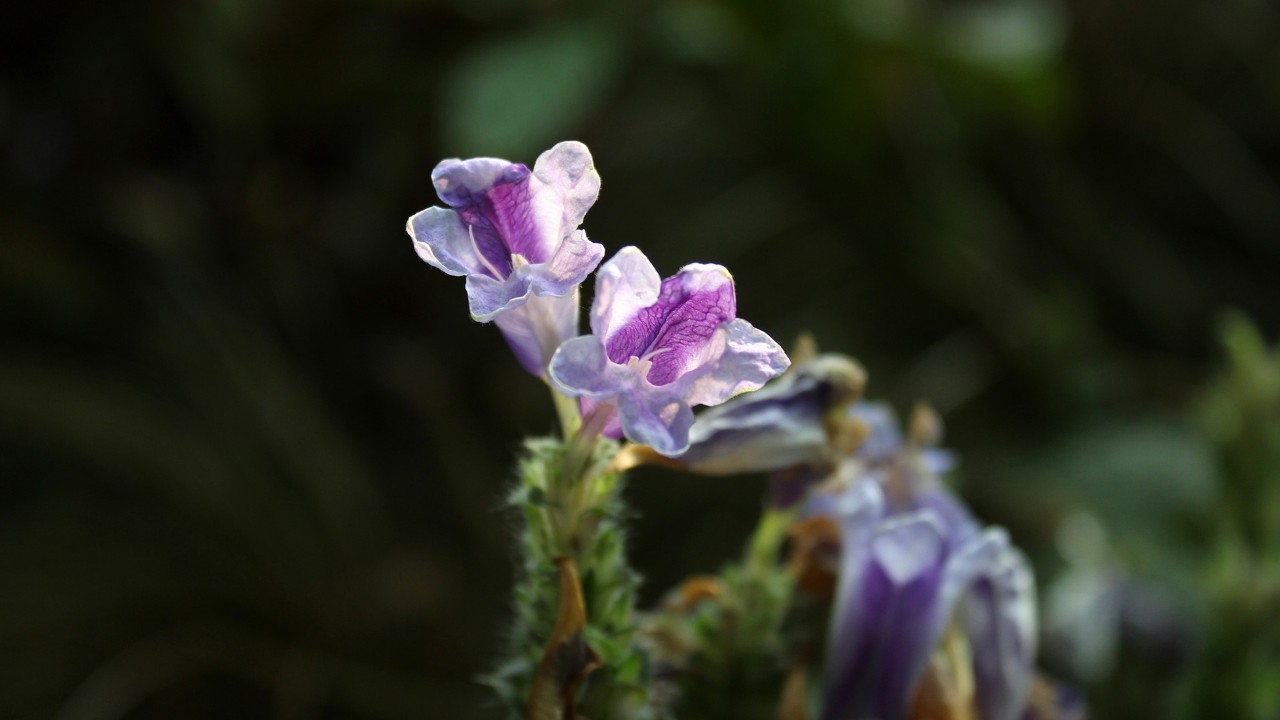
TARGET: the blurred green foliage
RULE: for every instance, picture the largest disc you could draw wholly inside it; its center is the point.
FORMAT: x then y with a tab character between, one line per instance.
1239	671
254	451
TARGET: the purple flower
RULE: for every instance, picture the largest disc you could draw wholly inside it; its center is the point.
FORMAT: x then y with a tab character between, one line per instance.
900	586
660	346
513	233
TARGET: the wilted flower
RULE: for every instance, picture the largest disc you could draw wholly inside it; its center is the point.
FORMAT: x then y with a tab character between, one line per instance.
514	234
786	424
660	346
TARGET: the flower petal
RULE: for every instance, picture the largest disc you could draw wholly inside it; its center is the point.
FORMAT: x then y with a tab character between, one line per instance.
679	329
860	510
909	562
488	297
774	428
565	185
572	263
441	239
581	368
958	523
750	359
1002	632
625	285
883	633
536	328
491	197
659	420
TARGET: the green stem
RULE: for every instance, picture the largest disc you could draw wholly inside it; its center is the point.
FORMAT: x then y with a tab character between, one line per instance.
766	542
567	413
577	482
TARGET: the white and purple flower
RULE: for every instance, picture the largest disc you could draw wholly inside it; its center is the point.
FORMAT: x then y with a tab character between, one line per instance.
513	233
904	578
659	347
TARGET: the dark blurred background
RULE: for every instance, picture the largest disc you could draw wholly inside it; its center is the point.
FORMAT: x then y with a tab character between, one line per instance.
254	451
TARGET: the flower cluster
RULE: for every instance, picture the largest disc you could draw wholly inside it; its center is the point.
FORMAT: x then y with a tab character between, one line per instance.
915	566
931	614
926	613
657	346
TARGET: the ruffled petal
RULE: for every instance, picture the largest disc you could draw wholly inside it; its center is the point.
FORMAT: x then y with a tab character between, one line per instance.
572	263
512	211
565	185
750	358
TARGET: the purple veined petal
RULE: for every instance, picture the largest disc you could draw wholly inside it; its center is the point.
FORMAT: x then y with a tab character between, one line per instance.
514	211
660	339
750	358
458	182
536	328
441	239
680	330
514	217
1001	624
658	420
625	284
490	197
884	639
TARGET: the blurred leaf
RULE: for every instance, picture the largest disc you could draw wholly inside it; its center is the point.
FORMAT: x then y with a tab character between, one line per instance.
1010	37
514	96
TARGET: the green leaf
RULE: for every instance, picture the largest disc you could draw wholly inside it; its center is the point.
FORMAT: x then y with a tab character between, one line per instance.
516	96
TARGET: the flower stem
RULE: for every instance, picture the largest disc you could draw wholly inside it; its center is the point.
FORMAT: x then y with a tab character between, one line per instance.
766	541
567	412
577	483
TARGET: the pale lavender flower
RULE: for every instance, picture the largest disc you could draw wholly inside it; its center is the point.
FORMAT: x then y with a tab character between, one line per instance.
1001	625
902	581
513	233
659	347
